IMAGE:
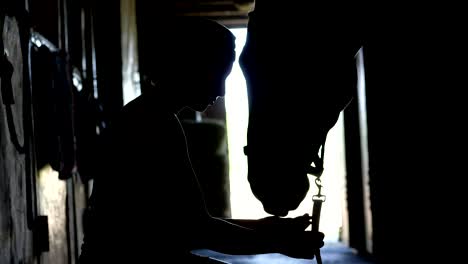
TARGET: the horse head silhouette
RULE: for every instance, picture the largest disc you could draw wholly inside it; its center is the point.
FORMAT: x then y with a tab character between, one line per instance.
299	79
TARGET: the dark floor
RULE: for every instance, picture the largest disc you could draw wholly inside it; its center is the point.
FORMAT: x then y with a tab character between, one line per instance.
332	253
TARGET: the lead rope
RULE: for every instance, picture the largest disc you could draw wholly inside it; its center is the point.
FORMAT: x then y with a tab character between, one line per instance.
318	199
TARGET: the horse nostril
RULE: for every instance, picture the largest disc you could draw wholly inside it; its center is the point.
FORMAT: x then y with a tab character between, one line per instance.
276	211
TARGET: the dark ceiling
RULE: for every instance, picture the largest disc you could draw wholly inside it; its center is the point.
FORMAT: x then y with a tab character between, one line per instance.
231	13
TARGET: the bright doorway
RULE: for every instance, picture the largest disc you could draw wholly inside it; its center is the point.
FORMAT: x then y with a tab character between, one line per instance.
243	203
